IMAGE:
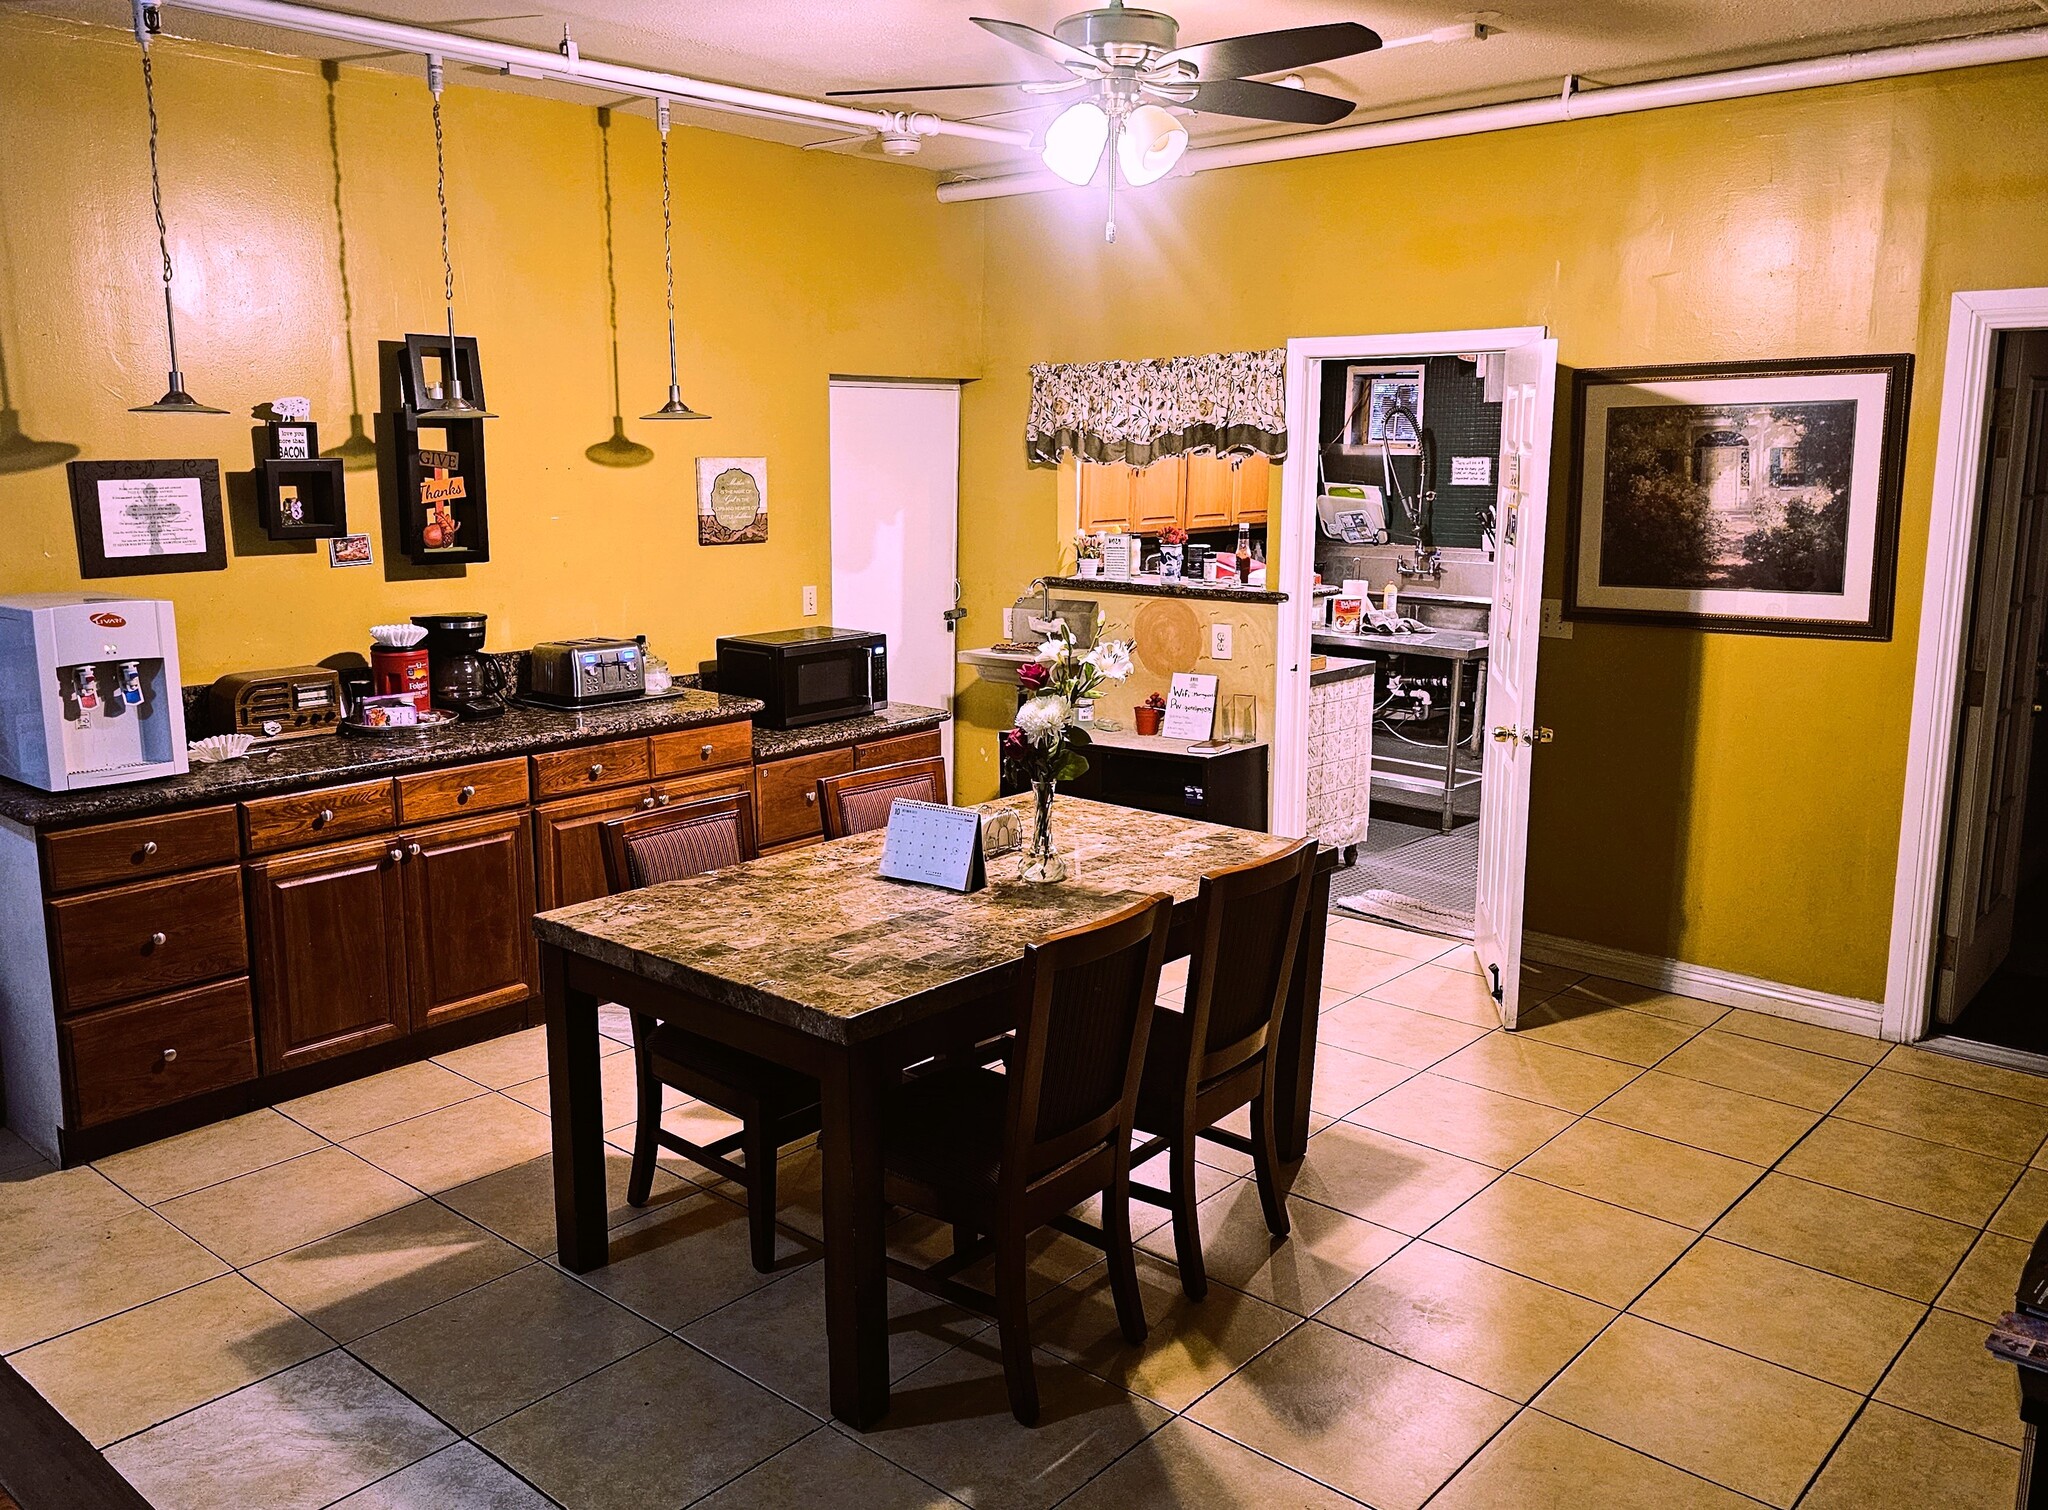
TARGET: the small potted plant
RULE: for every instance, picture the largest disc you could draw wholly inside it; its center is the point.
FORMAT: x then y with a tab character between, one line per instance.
1088	554
1171	540
1150	714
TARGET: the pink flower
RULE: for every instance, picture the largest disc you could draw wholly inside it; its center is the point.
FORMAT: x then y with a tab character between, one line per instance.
1033	676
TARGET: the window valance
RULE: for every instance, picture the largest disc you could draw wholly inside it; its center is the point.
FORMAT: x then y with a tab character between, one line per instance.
1137	412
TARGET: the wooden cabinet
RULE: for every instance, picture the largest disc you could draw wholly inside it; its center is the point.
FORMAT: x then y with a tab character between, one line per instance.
1211	493
690	751
786	796
590	768
1198	492
462	792
468	902
1252	484
922	746
132	941
330	951
568	849
272	824
1105	501
154	1053
133	851
1159	495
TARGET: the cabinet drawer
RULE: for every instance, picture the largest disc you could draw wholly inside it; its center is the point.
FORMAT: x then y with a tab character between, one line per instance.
270	824
433	795
137	1058
131	851
141	940
689	750
590	769
786	795
924	746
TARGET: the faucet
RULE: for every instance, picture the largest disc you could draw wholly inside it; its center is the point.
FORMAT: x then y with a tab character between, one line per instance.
1428	563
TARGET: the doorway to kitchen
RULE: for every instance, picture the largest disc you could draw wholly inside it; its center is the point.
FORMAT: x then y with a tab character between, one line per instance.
1412	558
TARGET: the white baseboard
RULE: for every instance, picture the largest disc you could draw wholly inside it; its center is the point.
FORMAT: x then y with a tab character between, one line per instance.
1722	987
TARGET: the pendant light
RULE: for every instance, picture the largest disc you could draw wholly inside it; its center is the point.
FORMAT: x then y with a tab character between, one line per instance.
675	408
175	400
452	404
618	449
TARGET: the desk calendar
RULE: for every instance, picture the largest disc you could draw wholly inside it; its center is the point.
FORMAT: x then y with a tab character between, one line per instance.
935	845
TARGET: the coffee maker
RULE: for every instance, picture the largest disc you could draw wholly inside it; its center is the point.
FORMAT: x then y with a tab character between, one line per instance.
460	677
89	690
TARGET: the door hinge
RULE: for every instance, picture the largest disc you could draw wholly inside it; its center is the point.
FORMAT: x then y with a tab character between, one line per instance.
1973	687
2004	417
1951	946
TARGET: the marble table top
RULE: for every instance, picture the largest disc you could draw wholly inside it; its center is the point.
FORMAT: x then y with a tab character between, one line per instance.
815	939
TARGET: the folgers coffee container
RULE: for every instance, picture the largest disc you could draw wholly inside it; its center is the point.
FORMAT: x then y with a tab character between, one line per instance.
398	664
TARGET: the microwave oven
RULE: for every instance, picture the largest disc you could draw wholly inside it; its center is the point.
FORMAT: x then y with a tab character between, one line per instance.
806	676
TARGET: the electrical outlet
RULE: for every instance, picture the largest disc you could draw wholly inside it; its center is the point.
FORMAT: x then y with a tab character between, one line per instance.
810	602
1555	625
1219	642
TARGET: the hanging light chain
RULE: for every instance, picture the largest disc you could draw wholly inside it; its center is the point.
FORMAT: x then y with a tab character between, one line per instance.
434	80
156	188
668	257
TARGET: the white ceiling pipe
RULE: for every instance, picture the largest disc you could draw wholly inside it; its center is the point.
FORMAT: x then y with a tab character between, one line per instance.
533	62
1623	99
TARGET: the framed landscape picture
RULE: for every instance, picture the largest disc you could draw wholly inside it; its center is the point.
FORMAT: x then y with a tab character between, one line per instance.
1756	497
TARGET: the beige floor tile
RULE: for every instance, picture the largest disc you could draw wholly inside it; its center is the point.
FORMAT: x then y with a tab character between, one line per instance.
1891	1460
1484	1325
1984	1285
1770	1070
15	1154
1386	1180
1658	1003
1706	1116
2025	1211
1314	1399
1051	1257
1518	1066
1887	1166
1467	1120
617	1080
295	1441
1388	939
1575	1020
661	1427
457	1144
287	1205
1888	1247
1738	1421
507	1060
690	1257
1542	1463
1570	1241
1540	982
1229	1160
827	1468
80	1249
518	1204
1146	1217
1951	1114
208	1155
461	1477
1441	992
1655	1176
1324	1255
1345	1079
386	1269
1929	1064
1183	1466
1351	968
1188	1350
1416	1039
950	1424
127	1373
500	1347
1815	1323
1855	1047
1946	1374
360	1106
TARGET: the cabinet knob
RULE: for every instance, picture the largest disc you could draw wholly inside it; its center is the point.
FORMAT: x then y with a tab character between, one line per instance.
158	940
397	855
596	769
811	798
704	752
412	851
661	799
148	848
326	815
647	802
169	1055
465	794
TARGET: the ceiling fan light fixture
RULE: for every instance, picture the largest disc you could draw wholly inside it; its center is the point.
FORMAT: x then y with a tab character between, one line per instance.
1150	143
1074	142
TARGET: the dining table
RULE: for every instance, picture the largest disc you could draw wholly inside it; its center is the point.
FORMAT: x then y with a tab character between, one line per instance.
813	960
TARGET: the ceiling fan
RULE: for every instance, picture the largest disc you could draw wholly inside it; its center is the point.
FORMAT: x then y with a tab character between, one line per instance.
1135	73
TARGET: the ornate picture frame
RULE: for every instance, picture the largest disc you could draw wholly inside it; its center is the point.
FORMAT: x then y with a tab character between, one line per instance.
139	518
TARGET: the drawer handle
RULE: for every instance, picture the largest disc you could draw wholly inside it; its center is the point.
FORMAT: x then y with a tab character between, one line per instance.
158	940
661	799
811	798
596	769
325	815
412	851
647	802
148	848
704	753
170	1055
397	856
465	794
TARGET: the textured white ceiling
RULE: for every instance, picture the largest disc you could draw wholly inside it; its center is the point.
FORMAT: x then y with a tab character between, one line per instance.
808	47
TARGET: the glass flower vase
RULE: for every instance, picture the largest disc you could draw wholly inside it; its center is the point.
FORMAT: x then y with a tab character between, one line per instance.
1042	862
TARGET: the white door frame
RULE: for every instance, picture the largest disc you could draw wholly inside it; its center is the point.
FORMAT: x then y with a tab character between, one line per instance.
1289	804
1976	319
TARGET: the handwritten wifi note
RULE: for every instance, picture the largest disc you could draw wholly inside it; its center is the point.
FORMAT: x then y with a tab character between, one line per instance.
1190	706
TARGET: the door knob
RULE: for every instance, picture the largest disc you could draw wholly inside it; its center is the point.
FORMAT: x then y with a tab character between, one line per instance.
646	802
1537	736
1502	734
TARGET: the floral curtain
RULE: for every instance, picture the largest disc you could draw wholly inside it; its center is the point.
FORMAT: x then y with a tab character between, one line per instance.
1137	412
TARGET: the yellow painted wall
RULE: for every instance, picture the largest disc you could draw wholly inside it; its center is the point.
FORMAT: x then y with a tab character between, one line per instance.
1724	799
790	266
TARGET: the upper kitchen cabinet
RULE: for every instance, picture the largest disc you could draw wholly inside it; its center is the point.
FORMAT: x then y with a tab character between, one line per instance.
1200	492
1211	493
1159	495
1105	497
1251	484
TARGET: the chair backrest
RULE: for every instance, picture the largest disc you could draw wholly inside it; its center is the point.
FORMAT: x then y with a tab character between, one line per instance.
1084	1002
679	841
860	800
1248	924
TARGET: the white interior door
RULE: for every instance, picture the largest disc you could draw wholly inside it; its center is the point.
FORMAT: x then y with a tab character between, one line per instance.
895	529
1514	735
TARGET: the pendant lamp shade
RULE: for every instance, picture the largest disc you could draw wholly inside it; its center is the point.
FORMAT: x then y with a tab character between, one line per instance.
1074	142
453	404
1150	143
675	408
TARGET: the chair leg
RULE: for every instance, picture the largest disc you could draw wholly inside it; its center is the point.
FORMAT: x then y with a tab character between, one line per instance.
1187	1228
963	1238
640	1183
758	1132
1013	1321
1265	1168
1123	1264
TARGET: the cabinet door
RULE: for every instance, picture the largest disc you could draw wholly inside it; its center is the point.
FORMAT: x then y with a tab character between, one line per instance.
1105	496
330	951
469	917
568	849
1211	493
1159	496
1253	484
786	796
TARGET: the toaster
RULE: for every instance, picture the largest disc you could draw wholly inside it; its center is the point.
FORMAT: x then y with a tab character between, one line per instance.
289	703
574	673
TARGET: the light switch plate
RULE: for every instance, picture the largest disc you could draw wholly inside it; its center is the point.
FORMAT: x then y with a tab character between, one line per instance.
810	602
1219	642
1555	625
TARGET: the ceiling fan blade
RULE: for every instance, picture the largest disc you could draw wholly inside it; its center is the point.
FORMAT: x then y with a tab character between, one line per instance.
849	94
1269	102
1275	51
1031	40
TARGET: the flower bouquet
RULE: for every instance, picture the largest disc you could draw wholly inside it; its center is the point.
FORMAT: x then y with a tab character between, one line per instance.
1048	744
1088	554
1172	540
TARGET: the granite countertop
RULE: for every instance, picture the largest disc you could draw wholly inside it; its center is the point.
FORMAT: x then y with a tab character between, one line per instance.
893	720
1159	587
815	939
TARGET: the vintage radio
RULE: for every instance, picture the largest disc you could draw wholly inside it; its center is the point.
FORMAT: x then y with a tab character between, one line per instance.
291	703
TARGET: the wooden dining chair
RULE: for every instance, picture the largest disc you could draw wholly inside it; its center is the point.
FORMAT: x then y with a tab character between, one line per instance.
774	1105
1217	1054
860	800
1001	1155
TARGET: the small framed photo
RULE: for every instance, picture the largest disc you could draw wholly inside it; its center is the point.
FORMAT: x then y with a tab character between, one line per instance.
349	550
732	500
1382	404
135	518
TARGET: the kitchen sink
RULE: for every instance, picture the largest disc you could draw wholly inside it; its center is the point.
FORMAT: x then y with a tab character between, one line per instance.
1448	610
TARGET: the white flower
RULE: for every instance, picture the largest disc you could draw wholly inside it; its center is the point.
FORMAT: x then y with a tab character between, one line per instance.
1111	660
1043	719
1050	652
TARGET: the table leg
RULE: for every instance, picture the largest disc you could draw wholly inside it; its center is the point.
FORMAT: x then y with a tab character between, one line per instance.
856	1281
1451	740
1295	1073
576	1103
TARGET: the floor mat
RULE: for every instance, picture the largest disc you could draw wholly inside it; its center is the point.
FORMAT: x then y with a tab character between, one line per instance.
1430	884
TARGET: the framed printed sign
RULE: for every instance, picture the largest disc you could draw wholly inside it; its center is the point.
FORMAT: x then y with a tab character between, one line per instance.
138	517
732	500
1756	497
